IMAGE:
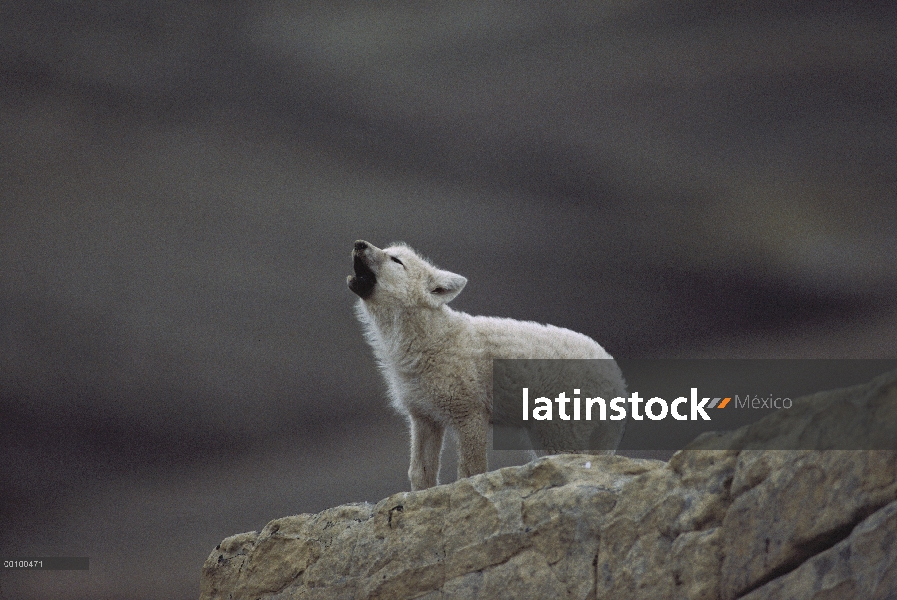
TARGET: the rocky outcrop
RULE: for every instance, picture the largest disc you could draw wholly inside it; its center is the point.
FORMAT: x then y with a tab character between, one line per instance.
711	523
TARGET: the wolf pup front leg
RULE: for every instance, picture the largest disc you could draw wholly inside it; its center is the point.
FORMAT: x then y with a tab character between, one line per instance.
472	433
426	446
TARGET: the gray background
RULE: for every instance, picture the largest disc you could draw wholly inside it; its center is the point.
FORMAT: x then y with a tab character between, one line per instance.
182	182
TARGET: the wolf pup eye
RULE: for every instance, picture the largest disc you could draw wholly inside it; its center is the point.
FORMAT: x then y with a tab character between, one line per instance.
397	260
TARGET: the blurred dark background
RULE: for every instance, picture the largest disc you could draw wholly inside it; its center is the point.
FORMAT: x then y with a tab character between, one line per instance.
182	183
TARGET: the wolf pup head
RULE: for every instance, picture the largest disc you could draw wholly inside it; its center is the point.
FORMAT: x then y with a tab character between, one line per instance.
397	276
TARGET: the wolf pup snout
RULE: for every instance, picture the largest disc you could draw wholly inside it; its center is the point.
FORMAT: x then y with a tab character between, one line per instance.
365	279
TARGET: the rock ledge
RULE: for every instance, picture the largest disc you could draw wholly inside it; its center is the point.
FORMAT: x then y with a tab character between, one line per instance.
721	523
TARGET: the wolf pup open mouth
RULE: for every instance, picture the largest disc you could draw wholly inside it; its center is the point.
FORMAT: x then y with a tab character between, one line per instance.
364	280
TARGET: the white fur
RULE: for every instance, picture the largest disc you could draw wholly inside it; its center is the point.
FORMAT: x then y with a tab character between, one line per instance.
437	362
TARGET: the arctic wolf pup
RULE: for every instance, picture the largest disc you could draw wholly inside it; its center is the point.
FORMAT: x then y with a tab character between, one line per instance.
437	362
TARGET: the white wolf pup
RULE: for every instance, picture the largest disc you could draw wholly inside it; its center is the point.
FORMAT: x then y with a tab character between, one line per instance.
437	362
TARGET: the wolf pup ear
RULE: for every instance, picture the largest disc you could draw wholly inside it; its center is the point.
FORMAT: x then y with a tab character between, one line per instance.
444	286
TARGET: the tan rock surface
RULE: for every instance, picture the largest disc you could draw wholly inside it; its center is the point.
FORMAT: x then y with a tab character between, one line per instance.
864	565
709	524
